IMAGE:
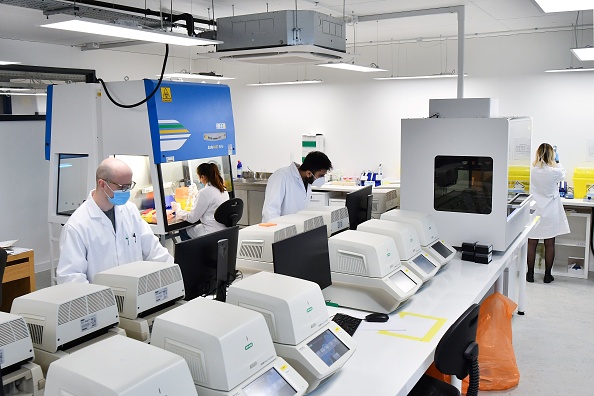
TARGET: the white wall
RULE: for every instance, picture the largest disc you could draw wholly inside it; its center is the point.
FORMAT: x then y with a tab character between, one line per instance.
359	117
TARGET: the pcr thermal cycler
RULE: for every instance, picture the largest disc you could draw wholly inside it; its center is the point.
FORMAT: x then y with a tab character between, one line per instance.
336	218
367	273
143	290
228	349
120	366
426	231
302	221
299	323
20	376
66	318
407	242
254	246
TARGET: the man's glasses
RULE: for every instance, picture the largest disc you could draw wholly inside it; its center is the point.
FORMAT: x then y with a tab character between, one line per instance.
123	187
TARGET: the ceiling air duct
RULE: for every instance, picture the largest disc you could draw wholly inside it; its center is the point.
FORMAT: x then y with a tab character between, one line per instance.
281	37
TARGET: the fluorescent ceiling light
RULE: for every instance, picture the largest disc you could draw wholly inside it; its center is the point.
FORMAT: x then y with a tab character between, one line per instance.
584	54
23	94
287	83
15	89
565	5
125	32
3	63
570	69
199	76
420	77
352	67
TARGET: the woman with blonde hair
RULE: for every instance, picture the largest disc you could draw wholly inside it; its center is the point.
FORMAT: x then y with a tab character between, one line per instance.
545	176
208	200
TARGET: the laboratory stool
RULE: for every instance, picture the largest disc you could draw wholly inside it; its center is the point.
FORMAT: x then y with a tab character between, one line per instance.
456	354
229	212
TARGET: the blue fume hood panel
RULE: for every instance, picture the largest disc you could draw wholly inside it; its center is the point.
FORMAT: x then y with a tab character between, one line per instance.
190	120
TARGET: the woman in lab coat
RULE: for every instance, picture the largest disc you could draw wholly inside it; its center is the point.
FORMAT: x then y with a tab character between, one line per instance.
206	203
545	176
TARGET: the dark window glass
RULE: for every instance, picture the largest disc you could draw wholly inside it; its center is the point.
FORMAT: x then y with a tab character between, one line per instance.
463	184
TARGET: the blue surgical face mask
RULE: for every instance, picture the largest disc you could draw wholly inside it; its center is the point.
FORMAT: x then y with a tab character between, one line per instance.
119	197
200	184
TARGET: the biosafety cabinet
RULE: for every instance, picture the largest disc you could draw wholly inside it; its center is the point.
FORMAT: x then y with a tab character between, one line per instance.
456	170
163	141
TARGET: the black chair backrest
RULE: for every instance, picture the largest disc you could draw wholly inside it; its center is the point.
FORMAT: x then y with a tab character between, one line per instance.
229	212
3	258
449	354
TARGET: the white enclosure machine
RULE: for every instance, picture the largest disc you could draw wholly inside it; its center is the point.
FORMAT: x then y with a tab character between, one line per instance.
455	167
384	199
367	273
254	246
65	318
299	323
143	290
407	243
120	366
20	375
302	221
228	349
426	231
336	218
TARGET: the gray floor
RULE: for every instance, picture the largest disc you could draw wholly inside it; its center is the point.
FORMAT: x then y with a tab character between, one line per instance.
553	341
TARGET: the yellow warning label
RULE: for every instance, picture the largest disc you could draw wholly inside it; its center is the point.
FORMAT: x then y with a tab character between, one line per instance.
166	94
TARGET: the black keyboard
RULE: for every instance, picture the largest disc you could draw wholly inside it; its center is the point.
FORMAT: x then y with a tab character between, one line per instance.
348	323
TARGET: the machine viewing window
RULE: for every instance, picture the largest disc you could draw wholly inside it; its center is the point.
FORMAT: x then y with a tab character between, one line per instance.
463	184
72	182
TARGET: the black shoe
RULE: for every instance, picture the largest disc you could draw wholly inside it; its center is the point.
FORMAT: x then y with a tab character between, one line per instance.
548	278
530	277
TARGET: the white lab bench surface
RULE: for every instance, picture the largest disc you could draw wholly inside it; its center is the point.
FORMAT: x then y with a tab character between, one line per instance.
391	364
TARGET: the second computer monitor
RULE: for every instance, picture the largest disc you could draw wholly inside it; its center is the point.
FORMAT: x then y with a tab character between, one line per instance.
304	256
198	258
359	203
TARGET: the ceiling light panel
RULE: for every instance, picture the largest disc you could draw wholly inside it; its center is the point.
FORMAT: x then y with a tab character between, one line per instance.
130	33
565	5
352	67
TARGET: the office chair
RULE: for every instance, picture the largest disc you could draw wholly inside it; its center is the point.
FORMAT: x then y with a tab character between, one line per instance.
229	212
456	354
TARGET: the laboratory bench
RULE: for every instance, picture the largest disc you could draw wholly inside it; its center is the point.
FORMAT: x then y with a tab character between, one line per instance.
388	363
19	276
252	191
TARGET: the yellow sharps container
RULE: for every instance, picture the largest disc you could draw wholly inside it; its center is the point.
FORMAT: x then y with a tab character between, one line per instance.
518	178
583	178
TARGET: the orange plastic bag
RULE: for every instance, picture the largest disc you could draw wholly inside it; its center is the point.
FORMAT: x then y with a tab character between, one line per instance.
497	360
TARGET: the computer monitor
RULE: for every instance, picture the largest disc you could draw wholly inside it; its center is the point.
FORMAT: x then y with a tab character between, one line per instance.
304	256
199	259
359	204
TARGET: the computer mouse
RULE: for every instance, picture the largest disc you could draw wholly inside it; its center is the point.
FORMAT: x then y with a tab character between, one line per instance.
377	317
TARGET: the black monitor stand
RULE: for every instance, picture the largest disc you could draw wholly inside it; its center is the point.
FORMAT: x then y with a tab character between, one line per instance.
222	270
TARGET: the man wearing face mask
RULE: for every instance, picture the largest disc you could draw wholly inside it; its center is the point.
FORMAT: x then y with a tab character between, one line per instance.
289	189
106	230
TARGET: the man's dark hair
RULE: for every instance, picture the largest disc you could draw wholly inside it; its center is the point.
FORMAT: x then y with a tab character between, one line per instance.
315	161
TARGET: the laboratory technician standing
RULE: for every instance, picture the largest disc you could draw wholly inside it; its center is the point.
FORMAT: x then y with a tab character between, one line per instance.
289	189
545	176
106	230
209	198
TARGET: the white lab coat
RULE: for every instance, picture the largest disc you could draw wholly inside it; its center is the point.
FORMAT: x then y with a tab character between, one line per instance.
544	186
285	193
89	244
205	206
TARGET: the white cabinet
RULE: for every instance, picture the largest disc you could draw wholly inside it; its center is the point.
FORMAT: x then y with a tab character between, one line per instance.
572	251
